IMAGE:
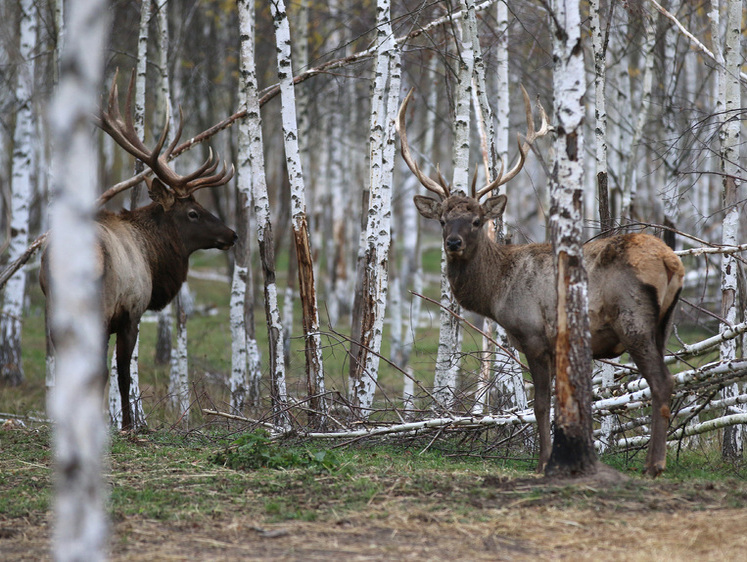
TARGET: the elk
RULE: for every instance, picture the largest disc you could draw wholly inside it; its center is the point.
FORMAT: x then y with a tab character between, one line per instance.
143	254
634	284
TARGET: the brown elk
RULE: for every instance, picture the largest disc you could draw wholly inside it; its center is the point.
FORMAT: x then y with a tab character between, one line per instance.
634	283
144	253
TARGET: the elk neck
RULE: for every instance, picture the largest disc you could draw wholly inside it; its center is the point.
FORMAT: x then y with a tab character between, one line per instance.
476	276
163	249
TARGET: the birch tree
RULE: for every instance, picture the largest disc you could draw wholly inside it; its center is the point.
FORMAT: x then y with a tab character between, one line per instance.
378	229
307	287
630	183
449	338
80	437
11	367
733	444
115	406
254	152
245	356
573	447
164	111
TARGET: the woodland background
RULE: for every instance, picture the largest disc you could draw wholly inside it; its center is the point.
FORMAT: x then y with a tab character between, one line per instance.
668	154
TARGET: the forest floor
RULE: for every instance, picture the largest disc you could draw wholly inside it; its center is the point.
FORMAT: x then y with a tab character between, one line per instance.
171	501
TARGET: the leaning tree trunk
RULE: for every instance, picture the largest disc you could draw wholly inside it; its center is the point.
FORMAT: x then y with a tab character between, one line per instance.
573	445
80	436
11	368
255	154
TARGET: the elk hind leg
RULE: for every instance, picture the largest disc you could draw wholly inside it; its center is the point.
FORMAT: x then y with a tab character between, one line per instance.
126	339
650	362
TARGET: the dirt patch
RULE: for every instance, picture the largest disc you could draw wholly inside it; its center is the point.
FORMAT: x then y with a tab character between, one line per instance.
525	519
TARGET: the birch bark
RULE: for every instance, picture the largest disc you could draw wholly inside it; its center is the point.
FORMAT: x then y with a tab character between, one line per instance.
630	185
80	436
573	446
312	337
11	367
378	228
449	338
164	110
733	444
255	153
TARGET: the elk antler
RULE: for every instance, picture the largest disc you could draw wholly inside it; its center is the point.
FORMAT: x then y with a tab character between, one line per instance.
439	189
530	137
124	134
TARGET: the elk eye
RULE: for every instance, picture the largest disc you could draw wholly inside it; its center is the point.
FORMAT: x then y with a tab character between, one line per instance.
192	214
476	222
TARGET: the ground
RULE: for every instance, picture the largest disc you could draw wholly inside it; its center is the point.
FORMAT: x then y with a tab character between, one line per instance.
409	511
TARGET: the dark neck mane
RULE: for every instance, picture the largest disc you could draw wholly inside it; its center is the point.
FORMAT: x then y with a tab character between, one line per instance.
471	287
166	254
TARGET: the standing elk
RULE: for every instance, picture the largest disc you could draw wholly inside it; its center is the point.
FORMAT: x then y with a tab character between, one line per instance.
634	283
144	253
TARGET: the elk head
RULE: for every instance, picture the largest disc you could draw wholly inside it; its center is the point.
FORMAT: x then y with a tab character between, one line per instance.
171	192
463	217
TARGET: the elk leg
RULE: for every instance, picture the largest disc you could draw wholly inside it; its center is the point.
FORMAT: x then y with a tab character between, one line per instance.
126	339
650	362
540	370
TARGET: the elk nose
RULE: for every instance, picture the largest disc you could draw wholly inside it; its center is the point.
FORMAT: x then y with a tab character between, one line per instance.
453	243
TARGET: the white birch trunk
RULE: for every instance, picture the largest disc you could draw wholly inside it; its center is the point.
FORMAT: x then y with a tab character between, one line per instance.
179	375
378	227
313	342
80	438
449	339
11	367
600	144
255	154
238	382
164	108
573	449
733	445
630	185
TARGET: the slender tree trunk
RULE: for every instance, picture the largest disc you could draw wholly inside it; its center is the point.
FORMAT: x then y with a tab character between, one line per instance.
630	185
573	446
449	340
378	229
80	436
248	77
238	381
312	337
733	444
165	316
11	367
179	375
599	44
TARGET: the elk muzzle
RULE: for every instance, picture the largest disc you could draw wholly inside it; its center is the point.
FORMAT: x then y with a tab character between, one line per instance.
453	243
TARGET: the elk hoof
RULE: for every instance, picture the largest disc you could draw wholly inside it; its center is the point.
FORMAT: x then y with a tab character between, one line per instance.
655	469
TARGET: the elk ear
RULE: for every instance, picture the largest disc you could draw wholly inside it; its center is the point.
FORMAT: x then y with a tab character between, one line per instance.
428	207
160	194
494	207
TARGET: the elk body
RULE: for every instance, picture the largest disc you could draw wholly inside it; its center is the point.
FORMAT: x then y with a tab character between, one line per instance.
143	254
634	285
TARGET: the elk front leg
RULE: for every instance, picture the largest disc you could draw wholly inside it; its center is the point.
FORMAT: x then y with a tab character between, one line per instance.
126	339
